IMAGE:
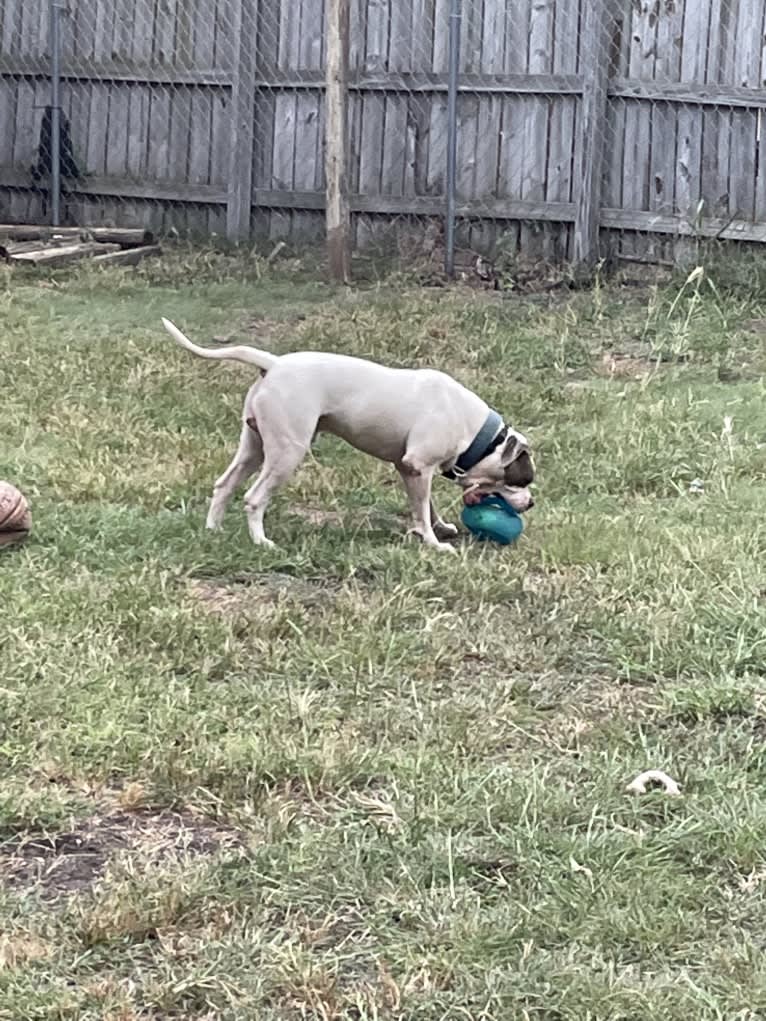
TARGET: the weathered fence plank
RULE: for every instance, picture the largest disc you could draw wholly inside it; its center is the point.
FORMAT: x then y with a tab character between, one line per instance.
239	204
596	34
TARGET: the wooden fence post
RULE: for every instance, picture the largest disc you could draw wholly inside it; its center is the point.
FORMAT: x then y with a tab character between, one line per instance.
592	141
338	216
240	189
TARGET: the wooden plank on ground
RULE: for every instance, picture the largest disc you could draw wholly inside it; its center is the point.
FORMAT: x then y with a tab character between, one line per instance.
20	233
127	256
64	254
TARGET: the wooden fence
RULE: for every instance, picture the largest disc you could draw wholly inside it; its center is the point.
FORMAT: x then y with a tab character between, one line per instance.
642	117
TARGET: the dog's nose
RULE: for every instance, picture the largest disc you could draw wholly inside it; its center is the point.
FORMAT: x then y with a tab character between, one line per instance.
531	504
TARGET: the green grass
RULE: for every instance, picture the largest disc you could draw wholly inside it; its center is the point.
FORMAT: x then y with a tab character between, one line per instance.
349	777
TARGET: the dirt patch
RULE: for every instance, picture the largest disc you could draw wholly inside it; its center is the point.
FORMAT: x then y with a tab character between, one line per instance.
625	366
259	594
61	863
317	516
260	330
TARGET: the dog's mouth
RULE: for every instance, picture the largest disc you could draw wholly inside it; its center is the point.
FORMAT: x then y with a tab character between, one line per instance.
518	497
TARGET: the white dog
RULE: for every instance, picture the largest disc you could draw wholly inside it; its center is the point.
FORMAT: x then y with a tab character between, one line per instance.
420	420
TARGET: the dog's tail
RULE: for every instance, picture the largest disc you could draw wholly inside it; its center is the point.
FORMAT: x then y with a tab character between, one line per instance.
249	355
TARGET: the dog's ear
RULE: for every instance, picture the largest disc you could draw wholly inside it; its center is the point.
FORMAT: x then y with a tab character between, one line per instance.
515	445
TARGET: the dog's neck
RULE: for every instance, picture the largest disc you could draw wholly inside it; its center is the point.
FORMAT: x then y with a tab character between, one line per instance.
487	439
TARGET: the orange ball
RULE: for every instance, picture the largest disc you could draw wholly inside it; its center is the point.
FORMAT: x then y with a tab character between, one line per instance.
15	516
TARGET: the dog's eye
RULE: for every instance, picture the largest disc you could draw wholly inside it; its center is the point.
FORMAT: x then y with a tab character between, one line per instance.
520	473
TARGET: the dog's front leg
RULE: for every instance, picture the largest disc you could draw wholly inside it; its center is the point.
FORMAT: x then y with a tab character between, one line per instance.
442	529
417	483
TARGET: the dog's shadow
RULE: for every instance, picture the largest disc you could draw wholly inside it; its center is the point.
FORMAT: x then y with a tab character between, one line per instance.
372	523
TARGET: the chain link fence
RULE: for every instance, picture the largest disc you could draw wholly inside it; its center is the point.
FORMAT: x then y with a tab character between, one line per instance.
636	123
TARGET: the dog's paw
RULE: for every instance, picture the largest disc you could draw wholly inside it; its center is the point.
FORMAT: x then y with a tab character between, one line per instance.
445	530
431	541
444	547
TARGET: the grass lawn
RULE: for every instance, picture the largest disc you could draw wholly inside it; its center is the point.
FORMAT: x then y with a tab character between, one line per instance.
350	777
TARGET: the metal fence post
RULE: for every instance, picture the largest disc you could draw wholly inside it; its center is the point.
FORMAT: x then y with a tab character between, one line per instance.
454	68
55	43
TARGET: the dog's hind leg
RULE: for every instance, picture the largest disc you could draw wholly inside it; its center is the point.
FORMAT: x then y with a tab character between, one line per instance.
275	472
285	444
246	462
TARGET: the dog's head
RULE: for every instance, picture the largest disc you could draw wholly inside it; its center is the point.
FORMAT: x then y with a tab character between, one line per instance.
508	470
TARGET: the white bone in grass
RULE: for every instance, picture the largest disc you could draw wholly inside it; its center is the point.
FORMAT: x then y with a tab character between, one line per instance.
639	785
